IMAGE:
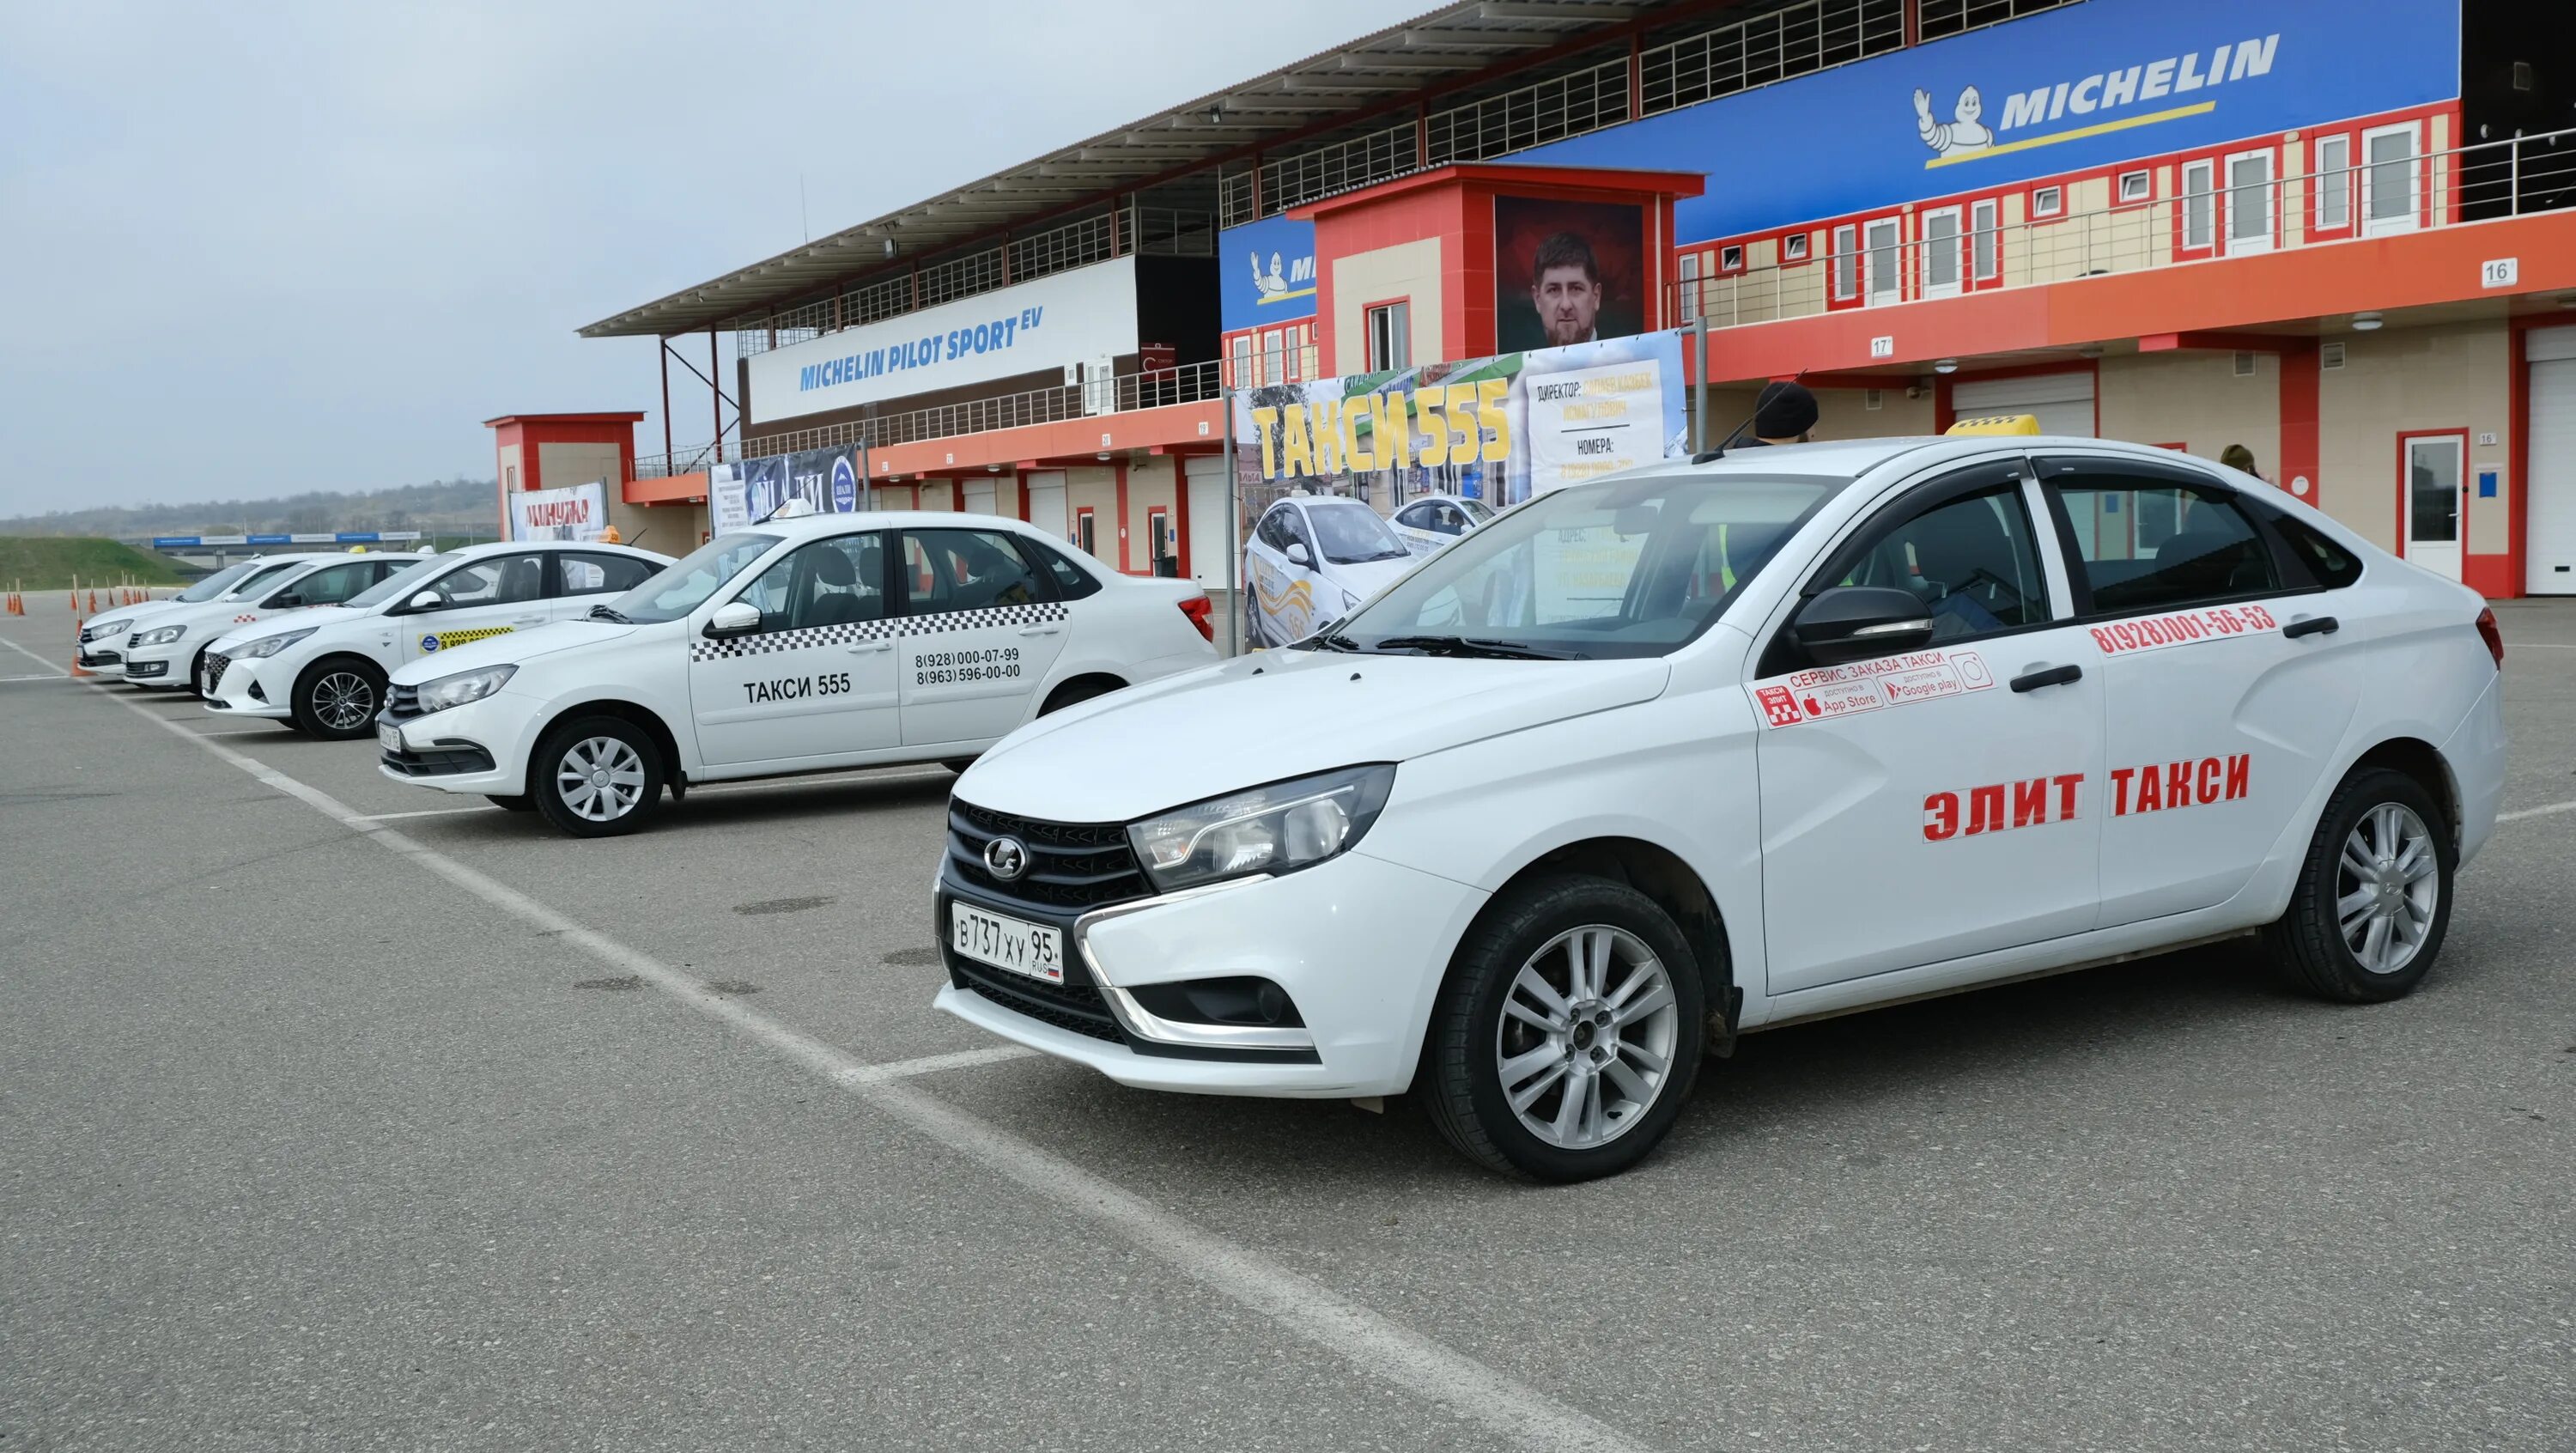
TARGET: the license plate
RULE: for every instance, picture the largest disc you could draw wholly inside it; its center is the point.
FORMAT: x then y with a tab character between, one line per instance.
389	736
1007	943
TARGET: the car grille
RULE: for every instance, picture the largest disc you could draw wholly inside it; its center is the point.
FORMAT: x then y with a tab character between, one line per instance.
215	671
1069	1005
1072	866
438	761
402	703
100	658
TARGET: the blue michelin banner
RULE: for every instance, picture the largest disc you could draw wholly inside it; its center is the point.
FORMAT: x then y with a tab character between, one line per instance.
1268	268
2085	86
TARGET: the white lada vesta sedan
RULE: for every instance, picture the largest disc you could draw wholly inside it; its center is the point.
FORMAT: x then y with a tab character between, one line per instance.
1656	760
798	645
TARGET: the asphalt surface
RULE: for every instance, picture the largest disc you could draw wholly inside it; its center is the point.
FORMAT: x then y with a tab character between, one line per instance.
434	1132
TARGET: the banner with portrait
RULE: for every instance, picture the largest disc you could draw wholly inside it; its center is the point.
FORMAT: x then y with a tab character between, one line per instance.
1567	272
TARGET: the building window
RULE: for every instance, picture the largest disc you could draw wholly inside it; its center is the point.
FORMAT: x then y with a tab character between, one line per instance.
2048	202
1242	366
2389	200
2249	201
1886	260
2135	186
1985	220
1274	357
1793	247
1689	286
2334	183
1941	252
2199	203
1730	258
1846	262
1390	336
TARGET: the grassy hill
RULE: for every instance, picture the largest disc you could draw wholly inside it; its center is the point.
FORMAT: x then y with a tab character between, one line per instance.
443	505
49	562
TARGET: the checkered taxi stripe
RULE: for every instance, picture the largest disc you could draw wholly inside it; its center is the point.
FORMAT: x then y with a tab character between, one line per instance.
899	628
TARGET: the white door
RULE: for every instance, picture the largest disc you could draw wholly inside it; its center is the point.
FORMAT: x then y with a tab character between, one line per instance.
1885	261
2063	402
981	628
2435	466
1046	505
490	596
1941	260
2549	521
2391	191
1956	789
1211	554
817	680
2249	202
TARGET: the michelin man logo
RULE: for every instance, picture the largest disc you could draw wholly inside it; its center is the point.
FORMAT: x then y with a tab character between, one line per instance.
1273	283
1966	134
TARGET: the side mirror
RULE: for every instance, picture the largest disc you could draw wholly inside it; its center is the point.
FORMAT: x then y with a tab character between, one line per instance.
1297	555
733	618
1857	622
426	600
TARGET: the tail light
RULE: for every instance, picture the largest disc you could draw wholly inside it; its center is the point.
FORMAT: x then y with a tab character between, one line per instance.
1202	614
2494	637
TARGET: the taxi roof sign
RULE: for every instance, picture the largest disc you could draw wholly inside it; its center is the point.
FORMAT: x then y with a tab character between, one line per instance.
1997	424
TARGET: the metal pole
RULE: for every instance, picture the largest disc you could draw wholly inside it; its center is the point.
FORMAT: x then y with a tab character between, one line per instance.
1698	328
662	350
1233	532
715	395
2514	150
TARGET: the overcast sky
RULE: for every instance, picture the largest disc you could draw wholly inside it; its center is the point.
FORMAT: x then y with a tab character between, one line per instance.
270	247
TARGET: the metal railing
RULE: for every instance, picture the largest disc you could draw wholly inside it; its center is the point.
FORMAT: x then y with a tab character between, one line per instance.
1152	231
1955	17
1796	40
1188	384
2195	211
1553	109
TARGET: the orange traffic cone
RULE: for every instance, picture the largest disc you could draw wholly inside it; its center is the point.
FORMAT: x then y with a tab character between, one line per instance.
78	670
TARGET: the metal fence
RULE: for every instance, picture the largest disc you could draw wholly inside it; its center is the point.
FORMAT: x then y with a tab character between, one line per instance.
1188	384
2377	183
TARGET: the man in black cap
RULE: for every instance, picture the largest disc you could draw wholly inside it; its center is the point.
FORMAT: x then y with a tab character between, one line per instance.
1785	414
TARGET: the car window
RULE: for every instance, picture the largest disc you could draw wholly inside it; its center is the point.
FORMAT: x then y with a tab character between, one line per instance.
594	574
1276	529
831	582
1973	560
1351	533
1448	521
494	580
214	585
332	584
1477	510
1412	517
2333	566
683	585
1072	582
953	570
403	578
2149	544
252	584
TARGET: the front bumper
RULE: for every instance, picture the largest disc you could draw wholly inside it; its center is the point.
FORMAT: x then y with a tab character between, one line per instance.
243	691
161	666
1359	944
479	749
102	660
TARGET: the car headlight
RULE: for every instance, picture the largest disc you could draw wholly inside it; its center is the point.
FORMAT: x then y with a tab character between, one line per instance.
161	637
267	646
1275	829
101	630
463	687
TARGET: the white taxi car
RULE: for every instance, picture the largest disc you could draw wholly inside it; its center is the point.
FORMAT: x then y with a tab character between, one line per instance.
167	651
1312	559
1436	521
799	645
325	672
1701	750
102	640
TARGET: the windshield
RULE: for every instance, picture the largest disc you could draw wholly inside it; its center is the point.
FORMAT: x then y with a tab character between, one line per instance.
396	585
261	573
215	584
685	584
1477	510
1350	533
1631	567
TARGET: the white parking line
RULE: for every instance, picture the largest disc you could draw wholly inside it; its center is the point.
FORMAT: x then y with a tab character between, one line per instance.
1372	1343
2551	810
427	812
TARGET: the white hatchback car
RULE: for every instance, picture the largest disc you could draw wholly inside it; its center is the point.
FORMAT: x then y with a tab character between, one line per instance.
1436	521
324	672
1655	760
167	651
798	645
102	639
1312	559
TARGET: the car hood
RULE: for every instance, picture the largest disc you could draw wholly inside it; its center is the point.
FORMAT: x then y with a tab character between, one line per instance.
279	624
515	648
1280	714
1371	576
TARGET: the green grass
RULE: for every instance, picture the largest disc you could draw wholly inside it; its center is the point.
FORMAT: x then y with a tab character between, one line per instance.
49	562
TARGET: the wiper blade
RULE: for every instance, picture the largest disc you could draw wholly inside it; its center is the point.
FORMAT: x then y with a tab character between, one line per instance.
1476	646
605	612
1329	641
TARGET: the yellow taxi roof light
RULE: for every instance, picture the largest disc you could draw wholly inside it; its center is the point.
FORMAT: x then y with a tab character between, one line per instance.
1997	424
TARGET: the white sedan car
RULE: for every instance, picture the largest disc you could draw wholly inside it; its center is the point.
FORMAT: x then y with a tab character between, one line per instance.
102	640
799	645
168	651
324	672
1436	521
1312	559
1663	758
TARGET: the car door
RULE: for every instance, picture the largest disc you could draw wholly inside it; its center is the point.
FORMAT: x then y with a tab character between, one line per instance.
1266	567
491	595
1931	804
2219	720
817	679
584	578
982	627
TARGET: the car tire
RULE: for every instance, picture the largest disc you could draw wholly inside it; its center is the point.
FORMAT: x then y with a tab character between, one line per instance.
1544	1102
336	699
1076	692
573	756
520	803
2367	915
196	686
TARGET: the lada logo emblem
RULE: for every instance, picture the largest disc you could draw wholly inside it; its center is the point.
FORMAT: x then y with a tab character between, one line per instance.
1007	858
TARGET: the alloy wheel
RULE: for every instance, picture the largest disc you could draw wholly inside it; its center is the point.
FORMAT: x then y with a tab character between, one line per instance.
1585	1042
600	779
2387	886
343	701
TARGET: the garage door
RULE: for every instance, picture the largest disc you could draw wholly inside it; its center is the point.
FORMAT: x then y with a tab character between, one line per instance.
2549	520
2063	402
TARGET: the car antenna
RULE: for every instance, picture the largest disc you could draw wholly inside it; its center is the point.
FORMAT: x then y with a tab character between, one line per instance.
1738	431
